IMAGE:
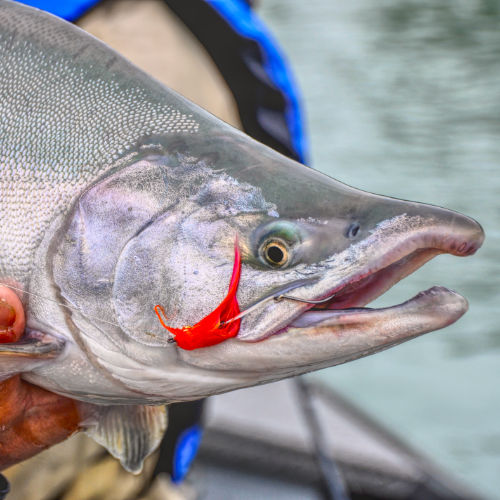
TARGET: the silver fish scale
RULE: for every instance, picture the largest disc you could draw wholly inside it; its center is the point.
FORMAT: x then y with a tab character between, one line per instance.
70	107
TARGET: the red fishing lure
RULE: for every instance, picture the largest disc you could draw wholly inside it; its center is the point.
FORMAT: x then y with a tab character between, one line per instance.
212	329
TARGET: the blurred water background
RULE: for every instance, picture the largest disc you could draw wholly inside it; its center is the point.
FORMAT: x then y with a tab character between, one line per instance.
403	98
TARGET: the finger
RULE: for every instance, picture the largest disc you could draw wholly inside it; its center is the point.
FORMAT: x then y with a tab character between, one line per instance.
12	319
50	418
32	419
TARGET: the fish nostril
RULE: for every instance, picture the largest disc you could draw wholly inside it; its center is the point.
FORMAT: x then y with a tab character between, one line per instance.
352	230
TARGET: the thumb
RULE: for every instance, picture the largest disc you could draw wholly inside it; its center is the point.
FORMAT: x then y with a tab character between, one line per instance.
12	319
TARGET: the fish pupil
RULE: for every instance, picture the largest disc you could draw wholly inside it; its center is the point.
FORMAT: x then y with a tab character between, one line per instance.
275	254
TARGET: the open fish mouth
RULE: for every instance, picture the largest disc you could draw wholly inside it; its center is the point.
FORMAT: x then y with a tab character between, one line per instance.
343	305
391	268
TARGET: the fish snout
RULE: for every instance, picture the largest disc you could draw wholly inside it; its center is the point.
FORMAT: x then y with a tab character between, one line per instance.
450	231
429	226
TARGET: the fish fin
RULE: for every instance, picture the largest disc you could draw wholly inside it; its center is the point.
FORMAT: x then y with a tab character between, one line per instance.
30	351
129	433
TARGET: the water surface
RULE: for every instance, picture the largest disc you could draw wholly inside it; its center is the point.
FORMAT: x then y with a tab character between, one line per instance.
403	99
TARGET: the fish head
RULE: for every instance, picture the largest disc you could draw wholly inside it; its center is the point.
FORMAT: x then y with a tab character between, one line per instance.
314	251
323	241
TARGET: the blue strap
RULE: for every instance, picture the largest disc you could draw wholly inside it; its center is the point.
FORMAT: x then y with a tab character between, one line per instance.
70	10
185	452
244	21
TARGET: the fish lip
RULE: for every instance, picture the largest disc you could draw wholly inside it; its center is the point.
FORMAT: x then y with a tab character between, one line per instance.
411	251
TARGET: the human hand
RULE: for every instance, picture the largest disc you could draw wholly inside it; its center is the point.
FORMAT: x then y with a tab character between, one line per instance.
31	418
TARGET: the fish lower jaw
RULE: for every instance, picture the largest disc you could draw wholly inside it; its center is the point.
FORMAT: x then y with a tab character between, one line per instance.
429	310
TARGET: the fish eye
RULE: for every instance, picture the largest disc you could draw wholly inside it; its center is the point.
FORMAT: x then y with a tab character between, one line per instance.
275	252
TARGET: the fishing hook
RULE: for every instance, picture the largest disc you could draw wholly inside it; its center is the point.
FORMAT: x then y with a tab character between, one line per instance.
279	298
